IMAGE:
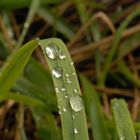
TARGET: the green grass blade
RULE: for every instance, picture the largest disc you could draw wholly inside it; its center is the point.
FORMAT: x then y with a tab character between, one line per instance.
99	128
123	69
123	120
115	44
15	65
59	24
22	99
68	93
33	8
46	124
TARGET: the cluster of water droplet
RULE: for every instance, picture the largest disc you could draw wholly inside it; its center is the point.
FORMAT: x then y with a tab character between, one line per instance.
54	52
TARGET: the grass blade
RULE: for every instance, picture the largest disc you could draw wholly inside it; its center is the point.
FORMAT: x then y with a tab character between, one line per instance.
59	23
68	93
33	8
123	120
15	65
49	131
94	110
115	44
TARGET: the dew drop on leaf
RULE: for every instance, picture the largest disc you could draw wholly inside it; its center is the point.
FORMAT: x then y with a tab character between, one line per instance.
76	103
62	55
57	72
68	80
52	51
75	130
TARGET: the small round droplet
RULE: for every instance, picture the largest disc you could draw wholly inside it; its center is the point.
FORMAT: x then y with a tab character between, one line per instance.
52	51
56	90
75	90
66	96
60	112
73	73
64	109
68	80
75	131
62	55
67	75
63	89
71	63
57	72
76	103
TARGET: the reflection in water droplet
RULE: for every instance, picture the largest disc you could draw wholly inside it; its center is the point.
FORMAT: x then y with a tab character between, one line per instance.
76	103
62	55
52	51
57	72
75	130
68	80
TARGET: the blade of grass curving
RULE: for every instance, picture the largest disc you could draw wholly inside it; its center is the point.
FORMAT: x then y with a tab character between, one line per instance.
49	131
85	16
123	120
71	107
14	4
22	99
59	23
33	8
15	65
115	44
99	128
123	69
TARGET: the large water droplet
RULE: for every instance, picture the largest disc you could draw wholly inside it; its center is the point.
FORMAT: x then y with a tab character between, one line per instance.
52	51
62	55
76	103
57	72
75	131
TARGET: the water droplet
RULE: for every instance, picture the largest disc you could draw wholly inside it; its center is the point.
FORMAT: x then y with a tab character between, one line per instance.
122	138
57	72
71	63
59	107
52	51
73	73
60	112
66	96
67	75
68	80
62	55
75	131
75	90
76	103
64	109
73	116
63	89
56	90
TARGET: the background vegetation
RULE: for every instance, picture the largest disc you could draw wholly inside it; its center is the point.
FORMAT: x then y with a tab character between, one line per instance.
102	37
